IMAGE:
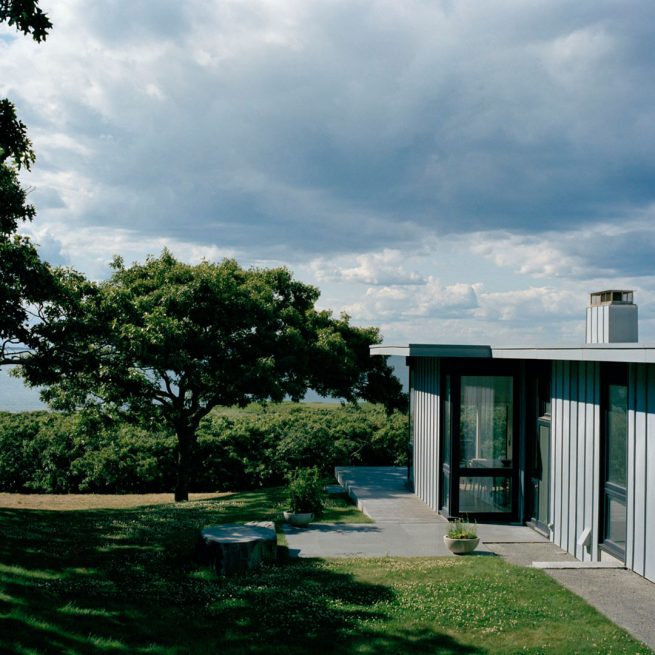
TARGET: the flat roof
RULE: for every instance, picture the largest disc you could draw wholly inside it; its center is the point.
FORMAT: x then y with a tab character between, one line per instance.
603	352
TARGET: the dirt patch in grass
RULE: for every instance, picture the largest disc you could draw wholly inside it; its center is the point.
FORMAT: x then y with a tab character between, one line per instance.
70	502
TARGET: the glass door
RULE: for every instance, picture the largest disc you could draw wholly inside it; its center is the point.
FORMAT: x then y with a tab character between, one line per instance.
614	455
478	466
538	452
540	475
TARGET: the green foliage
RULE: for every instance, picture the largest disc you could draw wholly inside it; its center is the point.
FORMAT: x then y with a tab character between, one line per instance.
237	449
167	341
460	529
305	491
24	278
26	16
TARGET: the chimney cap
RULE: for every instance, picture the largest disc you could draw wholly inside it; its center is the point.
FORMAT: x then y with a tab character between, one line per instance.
612	297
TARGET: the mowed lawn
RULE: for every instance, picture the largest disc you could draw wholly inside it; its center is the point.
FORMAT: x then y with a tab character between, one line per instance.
120	577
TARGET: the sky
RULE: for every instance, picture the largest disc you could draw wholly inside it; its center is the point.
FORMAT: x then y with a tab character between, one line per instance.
451	172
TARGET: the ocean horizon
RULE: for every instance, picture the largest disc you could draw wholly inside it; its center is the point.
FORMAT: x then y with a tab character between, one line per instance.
15	396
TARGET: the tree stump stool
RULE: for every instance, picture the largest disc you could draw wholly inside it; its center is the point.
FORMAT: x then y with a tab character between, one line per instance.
238	547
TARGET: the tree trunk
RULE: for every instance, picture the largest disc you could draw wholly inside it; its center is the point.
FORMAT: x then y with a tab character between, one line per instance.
186	443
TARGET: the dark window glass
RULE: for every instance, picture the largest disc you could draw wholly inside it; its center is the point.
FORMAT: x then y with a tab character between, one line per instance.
485	494
486	414
617	434
446	442
615	522
447	420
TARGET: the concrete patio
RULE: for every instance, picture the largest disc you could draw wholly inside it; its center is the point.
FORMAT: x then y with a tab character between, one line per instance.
405	527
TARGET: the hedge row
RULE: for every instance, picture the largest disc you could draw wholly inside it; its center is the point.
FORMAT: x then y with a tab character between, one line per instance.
46	452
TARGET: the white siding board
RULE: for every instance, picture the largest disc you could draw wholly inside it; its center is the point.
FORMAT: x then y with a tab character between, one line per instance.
425	375
639	488
649	478
596	459
573	456
565	482
556	437
580	459
575	445
592	466
590	442
630	477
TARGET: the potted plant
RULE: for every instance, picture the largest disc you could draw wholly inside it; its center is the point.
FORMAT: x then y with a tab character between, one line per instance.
305	492
462	537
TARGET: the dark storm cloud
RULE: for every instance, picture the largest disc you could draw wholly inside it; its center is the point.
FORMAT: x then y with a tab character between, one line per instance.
297	128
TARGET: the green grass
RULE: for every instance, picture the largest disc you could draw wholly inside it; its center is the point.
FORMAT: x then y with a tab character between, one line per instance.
125	581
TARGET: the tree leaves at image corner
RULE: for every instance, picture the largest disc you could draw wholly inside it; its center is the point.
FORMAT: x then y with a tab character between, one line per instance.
27	17
25	279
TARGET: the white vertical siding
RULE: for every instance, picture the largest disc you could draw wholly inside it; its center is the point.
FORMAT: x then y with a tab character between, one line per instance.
425	404
640	546
649	478
575	470
576	484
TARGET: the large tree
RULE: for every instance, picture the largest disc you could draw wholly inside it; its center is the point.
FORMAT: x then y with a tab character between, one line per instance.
25	281
168	341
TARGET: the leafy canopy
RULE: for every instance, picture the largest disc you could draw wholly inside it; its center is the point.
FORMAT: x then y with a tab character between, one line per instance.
168	341
26	16
24	280
172	339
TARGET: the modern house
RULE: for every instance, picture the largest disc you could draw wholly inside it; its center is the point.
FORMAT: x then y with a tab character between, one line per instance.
562	439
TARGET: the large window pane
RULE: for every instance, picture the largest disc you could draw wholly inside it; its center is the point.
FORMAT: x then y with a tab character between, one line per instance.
486	422
447	420
446	441
617	434
485	494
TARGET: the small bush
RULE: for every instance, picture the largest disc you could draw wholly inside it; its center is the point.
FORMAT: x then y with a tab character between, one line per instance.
305	491
460	529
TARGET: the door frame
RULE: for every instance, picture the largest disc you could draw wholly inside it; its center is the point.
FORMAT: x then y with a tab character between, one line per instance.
455	368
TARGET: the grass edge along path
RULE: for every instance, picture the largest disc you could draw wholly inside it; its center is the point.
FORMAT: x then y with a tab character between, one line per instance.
125	581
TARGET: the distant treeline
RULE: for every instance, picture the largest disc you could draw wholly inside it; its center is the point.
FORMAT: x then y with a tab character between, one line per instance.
48	452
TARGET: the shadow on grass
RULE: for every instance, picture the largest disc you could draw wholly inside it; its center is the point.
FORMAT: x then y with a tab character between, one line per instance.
124	581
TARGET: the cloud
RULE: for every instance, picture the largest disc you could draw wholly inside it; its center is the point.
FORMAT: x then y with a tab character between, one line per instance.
603	250
62	246
379	268
432	298
462	168
288	125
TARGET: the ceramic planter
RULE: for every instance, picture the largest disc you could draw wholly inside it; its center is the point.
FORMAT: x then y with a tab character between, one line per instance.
461	546
298	519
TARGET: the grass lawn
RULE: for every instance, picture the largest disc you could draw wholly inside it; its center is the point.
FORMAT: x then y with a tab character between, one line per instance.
122	579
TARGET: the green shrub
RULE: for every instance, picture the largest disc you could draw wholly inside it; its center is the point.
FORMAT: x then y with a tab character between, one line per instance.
305	491
49	452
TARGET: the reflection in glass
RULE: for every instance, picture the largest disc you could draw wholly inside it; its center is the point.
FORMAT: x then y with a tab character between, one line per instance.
486	421
485	494
615	528
446	440
447	420
617	434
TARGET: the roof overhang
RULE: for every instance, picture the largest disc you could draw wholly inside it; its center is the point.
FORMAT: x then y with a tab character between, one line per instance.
616	352
433	350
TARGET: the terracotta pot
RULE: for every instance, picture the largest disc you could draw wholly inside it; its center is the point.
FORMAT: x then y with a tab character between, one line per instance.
300	519
461	546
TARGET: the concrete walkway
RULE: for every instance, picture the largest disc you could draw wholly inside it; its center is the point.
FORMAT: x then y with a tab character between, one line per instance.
404	526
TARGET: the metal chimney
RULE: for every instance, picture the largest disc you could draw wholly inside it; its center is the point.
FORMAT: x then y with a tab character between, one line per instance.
612	317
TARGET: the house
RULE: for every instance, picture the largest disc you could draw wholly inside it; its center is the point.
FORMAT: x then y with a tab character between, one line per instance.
561	439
